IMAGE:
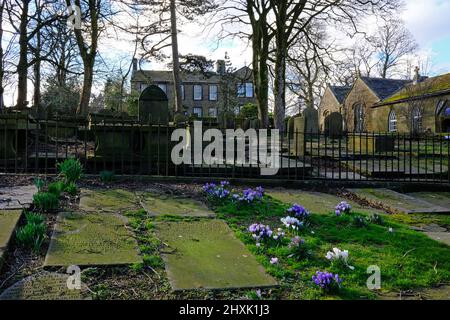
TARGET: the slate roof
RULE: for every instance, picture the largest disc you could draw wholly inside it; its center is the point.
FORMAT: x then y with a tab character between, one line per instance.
429	86
340	92
384	88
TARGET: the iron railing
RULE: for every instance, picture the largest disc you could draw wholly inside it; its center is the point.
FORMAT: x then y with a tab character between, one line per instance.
128	147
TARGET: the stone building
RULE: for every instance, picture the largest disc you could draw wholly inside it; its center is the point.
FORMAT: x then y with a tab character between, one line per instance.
204	95
418	107
390	105
331	103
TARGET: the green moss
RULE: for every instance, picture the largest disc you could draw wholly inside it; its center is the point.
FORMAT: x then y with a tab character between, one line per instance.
158	205
92	239
115	201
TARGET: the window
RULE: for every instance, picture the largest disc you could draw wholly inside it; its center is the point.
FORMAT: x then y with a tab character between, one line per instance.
163	87
249	90
212	112
183	93
392	122
198	93
241	91
213	92
416	120
359	118
198	111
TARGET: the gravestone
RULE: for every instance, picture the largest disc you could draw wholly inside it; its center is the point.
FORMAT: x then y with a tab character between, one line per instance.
159	205
43	286
207	255
154	106
334	124
311	117
8	223
114	201
298	140
93	239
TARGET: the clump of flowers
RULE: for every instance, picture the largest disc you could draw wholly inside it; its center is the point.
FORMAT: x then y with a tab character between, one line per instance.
215	191
250	195
279	235
298	211
260	232
339	256
343	208
298	248
274	261
360	222
327	281
292	223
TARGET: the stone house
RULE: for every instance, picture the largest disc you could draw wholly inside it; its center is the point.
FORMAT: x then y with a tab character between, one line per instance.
204	95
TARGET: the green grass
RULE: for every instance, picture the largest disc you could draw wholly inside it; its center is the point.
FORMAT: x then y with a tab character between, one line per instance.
407	259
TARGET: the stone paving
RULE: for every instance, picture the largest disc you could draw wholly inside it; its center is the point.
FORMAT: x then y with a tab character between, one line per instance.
398	202
207	255
92	239
159	205
8	223
114	201
16	197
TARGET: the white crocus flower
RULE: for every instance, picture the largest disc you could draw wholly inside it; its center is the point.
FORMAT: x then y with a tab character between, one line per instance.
338	254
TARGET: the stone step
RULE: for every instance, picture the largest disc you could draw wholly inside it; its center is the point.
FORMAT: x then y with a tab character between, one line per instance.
16	197
207	255
8	223
398	202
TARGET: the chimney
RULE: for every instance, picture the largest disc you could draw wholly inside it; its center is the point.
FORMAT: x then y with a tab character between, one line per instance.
417	77
135	65
221	67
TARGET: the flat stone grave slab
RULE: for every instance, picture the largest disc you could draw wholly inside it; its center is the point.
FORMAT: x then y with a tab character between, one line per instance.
207	255
92	239
441	199
8	223
115	201
42	286
398	202
16	197
316	202
160	204
443	237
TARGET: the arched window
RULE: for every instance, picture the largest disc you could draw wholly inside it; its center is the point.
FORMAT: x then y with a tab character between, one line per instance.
392	125
359	118
416	120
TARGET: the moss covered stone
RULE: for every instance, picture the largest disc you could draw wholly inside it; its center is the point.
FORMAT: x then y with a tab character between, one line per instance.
91	239
206	254
16	197
42	286
8	223
158	205
441	199
315	202
397	202
115	201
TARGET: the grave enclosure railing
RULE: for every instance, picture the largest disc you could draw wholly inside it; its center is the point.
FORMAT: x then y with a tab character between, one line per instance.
127	147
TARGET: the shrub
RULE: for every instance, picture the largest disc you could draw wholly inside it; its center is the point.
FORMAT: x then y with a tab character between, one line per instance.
39	183
107	176
56	188
32	235
71	189
46	201
71	170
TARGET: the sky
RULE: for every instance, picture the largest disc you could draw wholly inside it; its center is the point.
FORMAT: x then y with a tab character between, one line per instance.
427	20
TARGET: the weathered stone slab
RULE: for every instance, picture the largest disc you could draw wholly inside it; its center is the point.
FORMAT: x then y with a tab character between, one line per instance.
206	254
443	237
398	202
42	286
441	199
159	204
16	197
315	202
115	201
8	223
92	239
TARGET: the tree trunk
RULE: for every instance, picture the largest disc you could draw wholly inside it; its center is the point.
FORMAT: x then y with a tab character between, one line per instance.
37	72
280	90
88	76
176	59
22	67
2	5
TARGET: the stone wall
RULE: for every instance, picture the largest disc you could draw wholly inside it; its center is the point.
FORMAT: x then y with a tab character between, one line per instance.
328	105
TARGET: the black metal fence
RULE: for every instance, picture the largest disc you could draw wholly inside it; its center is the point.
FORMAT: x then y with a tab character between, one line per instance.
127	147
